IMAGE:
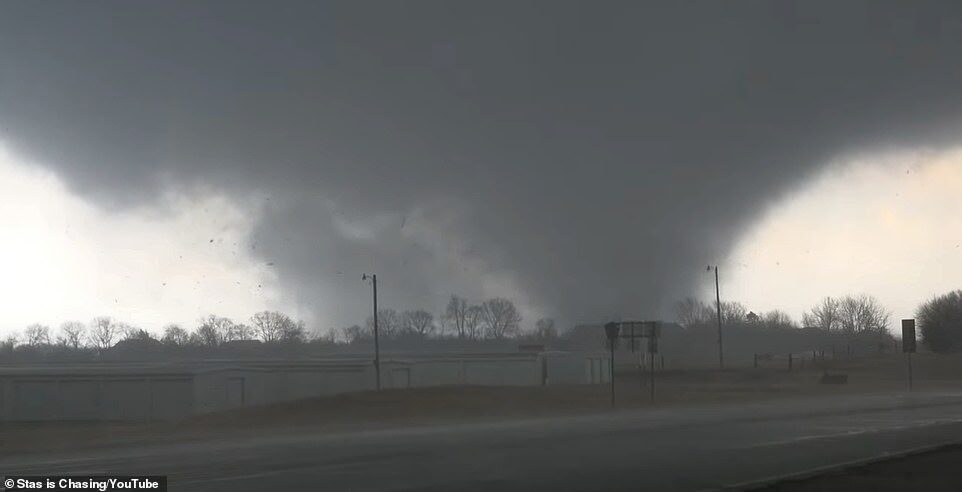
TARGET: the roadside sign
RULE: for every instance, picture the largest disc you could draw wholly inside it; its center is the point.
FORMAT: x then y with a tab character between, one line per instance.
611	330
641	329
908	345
631	330
908	336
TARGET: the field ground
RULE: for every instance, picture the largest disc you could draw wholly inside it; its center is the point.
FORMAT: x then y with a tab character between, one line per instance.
932	471
427	406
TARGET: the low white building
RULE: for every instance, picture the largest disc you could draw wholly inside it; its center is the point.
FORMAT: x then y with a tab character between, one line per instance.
170	391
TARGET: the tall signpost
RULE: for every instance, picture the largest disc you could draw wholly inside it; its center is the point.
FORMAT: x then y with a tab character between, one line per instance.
908	344
611	331
631	330
652	350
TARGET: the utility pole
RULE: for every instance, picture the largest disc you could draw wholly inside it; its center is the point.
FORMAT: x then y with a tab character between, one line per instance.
721	359
377	348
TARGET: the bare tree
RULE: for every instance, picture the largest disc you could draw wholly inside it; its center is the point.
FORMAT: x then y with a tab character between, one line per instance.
293	332
733	313
238	331
826	315
473	322
139	335
323	337
455	315
175	336
776	319
37	335
500	318
418	322
544	329
863	314
389	323
102	332
272	326
211	330
130	332
691	313
353	334
205	335
71	334
10	342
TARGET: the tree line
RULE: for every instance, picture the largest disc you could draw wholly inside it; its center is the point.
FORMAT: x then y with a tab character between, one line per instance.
493	319
855	315
940	322
104	332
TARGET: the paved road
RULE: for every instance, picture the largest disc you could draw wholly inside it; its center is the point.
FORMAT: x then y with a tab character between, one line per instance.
669	449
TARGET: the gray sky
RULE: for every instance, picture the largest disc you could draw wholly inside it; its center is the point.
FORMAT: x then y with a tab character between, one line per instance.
587	159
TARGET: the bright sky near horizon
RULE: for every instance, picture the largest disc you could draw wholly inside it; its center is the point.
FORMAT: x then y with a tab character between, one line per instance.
65	259
888	225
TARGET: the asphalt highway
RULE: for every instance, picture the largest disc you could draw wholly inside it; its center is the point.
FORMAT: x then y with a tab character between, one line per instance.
686	449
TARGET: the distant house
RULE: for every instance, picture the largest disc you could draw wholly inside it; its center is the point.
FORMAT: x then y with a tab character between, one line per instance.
752	317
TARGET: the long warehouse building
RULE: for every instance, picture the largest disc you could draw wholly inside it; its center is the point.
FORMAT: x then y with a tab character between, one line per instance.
171	391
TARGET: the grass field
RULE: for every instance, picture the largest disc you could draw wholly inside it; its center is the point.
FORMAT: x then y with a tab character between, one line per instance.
427	406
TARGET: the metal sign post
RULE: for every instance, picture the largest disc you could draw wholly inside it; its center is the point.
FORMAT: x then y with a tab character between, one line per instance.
908	344
631	330
652	350
612	330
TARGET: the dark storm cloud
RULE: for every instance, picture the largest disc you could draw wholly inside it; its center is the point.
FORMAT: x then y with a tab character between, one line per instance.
602	152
